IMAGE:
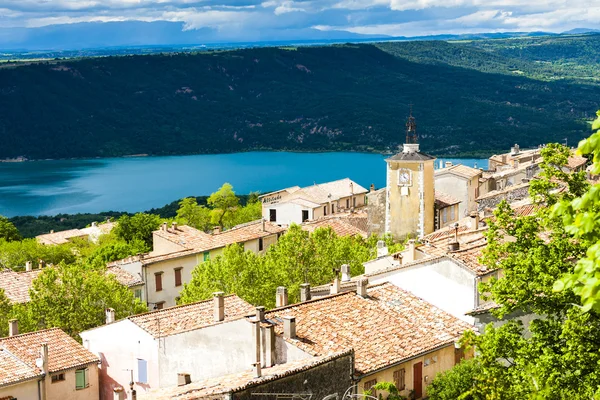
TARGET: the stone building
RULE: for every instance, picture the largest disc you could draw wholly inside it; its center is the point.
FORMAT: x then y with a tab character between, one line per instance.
410	189
462	183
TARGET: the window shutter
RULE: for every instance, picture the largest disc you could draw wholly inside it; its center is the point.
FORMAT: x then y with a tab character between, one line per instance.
399	379
80	379
86	376
158	281
142	371
177	276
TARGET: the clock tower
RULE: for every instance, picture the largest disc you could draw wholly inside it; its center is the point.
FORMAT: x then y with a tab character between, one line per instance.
410	198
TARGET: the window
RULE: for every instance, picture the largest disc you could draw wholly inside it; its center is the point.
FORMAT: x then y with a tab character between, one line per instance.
333	208
206	255
324	210
445	215
399	379
160	305
304	215
347	203
368	385
58	377
261	244
142	371
178	276
81	379
452	213
158	281
138	294
427	362
273	215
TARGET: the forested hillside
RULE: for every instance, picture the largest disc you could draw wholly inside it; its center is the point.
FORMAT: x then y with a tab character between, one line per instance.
469	98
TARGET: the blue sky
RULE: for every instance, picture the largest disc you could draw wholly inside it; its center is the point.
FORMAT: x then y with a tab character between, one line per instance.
239	19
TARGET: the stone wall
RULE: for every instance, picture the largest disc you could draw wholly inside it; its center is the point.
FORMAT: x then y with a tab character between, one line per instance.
376	212
491	200
334	376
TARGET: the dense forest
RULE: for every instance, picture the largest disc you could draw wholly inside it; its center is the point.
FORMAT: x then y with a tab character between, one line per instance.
470	98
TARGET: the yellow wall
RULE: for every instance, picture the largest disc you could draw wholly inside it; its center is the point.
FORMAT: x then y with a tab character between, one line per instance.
23	390
449	220
445	361
65	390
404	210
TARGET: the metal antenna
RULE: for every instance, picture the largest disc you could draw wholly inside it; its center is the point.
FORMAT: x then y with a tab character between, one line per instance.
411	129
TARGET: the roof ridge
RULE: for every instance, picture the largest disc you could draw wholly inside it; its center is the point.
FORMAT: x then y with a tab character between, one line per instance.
8	338
329	296
179	306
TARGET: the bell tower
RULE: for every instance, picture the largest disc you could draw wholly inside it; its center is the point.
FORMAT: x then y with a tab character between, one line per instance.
410	194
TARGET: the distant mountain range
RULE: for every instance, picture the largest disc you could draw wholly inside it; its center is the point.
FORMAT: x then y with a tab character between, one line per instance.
94	35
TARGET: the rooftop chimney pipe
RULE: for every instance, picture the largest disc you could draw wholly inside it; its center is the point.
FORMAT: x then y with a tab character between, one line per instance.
474	220
346	273
281	299
28	266
110	316
335	286
219	306
183	379
361	287
260	313
13	327
289	327
305	292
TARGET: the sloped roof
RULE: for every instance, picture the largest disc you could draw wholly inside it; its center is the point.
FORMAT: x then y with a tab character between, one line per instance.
189	238
321	193
188	317
389	326
125	278
59	237
63	353
410	156
340	226
219	386
443	200
16	284
459	170
575	161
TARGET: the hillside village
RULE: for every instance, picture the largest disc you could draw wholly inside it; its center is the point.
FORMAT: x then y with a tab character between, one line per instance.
399	321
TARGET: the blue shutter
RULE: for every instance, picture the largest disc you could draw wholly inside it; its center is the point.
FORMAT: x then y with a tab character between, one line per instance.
142	371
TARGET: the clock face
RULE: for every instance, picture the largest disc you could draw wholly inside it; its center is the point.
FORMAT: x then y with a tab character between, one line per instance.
404	177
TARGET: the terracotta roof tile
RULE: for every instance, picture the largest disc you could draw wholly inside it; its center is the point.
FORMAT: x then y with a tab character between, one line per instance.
341	226
16	284
13	370
443	200
387	327
59	237
220	386
178	319
576	162
321	193
460	170
63	353
125	278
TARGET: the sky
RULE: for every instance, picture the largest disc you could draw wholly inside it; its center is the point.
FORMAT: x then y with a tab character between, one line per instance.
240	19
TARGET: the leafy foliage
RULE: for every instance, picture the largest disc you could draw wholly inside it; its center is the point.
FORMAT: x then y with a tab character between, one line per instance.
456	384
137	228
15	254
8	231
296	258
389	387
342	97
74	297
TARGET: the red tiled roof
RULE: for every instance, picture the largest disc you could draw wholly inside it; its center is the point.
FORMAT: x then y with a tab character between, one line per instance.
387	327
125	278
16	284
575	162
460	170
219	386
63	353
178	319
339	226
443	200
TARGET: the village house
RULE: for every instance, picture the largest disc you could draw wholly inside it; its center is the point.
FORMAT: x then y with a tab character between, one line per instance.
91	233
416	341
447	210
204	339
297	205
178	249
343	224
46	365
322	377
459	182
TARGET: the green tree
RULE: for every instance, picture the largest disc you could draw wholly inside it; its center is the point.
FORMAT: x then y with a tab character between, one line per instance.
15	254
223	201
457	383
194	215
137	228
74	297
5	312
8	231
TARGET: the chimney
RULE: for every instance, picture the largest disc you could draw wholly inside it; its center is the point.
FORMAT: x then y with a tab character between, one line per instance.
474	220
183	379
263	225
361	287
260	313
372	188
335	286
219	306
28	266
514	150
289	327
118	393
41	264
346	273
256	334
448	164
515	163
382	249
410	254
305	292
164	226
269	345
110	316
216	230
44	358
174	225
453	246
13	327
281	299
94	224
51	230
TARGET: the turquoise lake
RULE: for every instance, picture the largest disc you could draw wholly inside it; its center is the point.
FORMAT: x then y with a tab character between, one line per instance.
141	183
